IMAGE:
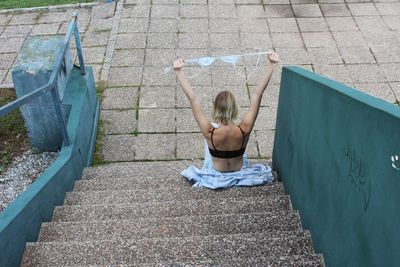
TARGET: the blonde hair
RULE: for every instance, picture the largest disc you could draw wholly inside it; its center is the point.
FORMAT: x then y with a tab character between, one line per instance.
224	107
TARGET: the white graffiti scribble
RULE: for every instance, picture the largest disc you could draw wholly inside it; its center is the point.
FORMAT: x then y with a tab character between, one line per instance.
396	162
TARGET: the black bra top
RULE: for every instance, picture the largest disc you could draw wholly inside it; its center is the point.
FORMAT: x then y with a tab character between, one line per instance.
227	154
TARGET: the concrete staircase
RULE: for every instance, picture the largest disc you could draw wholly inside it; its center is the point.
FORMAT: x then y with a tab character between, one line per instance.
145	214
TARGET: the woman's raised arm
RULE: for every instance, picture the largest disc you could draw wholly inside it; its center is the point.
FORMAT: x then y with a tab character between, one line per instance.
251	115
198	113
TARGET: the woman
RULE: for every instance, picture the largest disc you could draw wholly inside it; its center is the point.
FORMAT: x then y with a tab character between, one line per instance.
225	163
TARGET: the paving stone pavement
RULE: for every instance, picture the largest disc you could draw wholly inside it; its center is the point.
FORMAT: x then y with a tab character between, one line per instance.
130	42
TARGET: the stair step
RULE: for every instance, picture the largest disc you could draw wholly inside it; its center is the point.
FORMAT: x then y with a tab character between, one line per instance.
305	260
167	170
169	209
274	190
192	249
271	226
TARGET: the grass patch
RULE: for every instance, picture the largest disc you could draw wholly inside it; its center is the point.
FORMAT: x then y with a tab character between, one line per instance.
98	158
13	133
7	4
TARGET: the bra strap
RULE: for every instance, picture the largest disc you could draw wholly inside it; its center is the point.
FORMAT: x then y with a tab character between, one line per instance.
212	133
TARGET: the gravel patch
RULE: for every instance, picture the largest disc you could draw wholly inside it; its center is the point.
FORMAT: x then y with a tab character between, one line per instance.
21	173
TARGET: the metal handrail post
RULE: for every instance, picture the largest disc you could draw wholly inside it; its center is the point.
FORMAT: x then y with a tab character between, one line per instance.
60	115
78	47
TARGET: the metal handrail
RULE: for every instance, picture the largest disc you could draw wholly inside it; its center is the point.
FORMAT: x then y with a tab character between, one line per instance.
52	83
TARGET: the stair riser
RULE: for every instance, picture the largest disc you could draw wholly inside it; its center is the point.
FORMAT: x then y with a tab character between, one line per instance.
214	248
128	196
273	227
166	209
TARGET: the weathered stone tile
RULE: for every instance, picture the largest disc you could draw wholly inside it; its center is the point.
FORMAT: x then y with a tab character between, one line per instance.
222	11
312	24
25	18
254	25
119	147
193	40
103	11
271	95
283	25
224	25
265	142
266	119
160	57
193	2
354	55
118	121
54	16
156	120
307	10
279	11
165	11
388	9
6	60
256	41
393	22
125	76
119	98
94	54
221	2
157	76
131	40
194	11
155	146
379	90
332	1
9	45
164	2
324	55
198	76
294	56
128	58
136	11
95	39
363	9
344	39
5	18
100	25
335	10
252	146
318	39
251	11
138	2
13	31
3	75
162	40
163	25
366	73
228	76
253	74
188	53
386	54
391	71
190	146
224	40
287	40
335	72
245	2
133	25
82	27
157	97
185	121
341	24
193	25
396	89
45	29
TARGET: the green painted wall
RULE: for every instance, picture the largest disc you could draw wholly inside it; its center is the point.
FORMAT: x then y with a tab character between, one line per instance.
332	150
20	222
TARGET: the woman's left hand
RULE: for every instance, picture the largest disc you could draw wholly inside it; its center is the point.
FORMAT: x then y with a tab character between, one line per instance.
178	64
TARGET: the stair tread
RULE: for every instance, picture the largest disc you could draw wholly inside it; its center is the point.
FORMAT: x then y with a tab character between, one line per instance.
171	209
215	248
162	193
273	226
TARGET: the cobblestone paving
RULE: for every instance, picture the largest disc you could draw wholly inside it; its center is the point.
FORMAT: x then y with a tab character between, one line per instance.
129	43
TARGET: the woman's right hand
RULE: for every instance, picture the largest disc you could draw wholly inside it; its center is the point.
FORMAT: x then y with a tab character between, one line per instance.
273	57
178	64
